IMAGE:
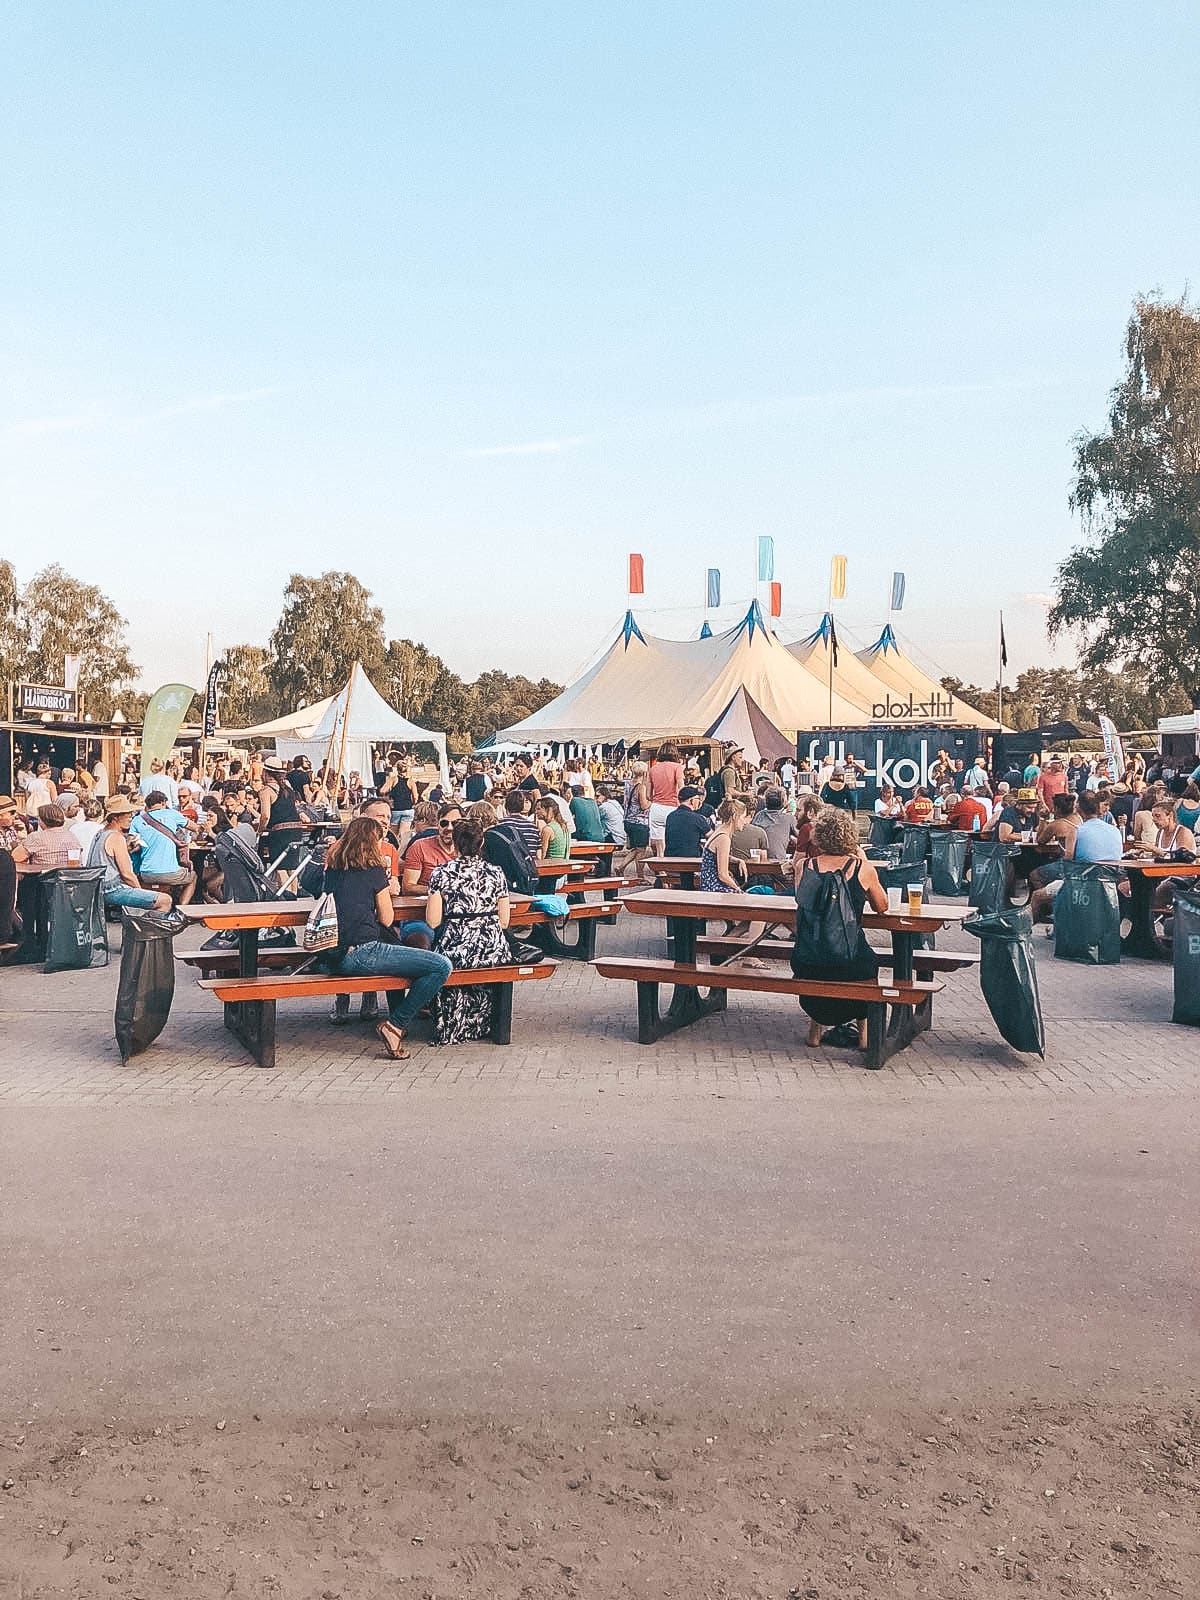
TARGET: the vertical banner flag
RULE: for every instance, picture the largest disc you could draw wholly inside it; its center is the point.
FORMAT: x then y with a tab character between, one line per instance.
210	701
897	591
1112	747
71	666
712	590
837	578
164	718
832	640
637	575
766	558
1003	645
776	599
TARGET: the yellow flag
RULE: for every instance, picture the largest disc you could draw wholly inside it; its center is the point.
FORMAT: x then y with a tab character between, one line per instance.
837	578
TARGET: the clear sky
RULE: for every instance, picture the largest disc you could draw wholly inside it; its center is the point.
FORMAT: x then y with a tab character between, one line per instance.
475	299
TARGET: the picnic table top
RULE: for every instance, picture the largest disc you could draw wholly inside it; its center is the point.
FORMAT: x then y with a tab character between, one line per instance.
592	847
692	864
1160	869
689	903
295	913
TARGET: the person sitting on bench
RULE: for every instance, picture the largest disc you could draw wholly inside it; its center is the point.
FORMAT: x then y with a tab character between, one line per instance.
358	880
837	867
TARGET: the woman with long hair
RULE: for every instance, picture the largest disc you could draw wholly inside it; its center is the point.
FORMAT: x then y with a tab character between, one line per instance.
468	904
555	841
716	868
358	880
665	780
637	818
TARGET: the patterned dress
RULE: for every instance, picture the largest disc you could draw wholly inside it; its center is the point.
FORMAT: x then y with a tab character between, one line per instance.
470	936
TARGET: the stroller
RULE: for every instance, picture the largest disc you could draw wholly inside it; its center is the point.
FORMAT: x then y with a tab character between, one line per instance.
246	879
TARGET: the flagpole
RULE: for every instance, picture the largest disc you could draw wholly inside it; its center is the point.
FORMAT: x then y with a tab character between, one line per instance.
204	711
1000	679
829	645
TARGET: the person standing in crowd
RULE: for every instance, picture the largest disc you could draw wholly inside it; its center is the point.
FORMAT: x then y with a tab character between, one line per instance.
356	877
837	792
279	818
773	819
159	780
1051	780
477	785
12	833
687	827
637	818
666	780
837	851
611	815
163	832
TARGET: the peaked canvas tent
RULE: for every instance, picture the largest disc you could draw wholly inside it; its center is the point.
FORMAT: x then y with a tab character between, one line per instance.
744	724
644	687
366	718
900	673
851	677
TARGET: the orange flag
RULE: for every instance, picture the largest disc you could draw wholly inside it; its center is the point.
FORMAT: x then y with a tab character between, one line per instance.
776	599
637	575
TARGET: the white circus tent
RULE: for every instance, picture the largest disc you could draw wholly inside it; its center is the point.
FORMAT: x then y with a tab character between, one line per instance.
901	674
644	687
345	728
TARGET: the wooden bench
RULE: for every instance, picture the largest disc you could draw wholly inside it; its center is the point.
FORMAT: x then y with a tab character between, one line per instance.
250	1002
688	1006
781	950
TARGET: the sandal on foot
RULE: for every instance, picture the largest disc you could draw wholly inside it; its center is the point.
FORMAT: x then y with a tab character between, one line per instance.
393	1040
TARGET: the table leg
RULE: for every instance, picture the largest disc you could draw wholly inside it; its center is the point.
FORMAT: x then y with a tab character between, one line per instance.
907	1021
1142	941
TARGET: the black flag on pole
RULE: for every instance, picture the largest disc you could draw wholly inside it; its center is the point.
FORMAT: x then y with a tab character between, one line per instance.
210	701
833	639
1003	646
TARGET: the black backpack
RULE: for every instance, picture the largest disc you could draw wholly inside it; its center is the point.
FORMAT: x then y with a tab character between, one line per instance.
827	927
505	850
714	790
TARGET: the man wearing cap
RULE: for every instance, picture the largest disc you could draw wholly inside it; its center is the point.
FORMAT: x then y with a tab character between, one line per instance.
162	831
279	817
111	850
1052	780
1019	818
686	827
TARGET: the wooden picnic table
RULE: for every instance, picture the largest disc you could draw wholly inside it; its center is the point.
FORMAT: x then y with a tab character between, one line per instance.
1142	940
683	870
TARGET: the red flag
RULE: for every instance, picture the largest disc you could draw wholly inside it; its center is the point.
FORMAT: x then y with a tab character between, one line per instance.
637	576
776	599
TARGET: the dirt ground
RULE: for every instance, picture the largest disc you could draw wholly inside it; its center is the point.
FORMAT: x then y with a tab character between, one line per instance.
1092	1497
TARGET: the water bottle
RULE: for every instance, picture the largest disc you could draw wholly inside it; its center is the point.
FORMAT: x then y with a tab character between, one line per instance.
975	823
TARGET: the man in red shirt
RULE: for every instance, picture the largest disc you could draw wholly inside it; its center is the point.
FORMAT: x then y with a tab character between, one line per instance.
1052	781
423	855
967	807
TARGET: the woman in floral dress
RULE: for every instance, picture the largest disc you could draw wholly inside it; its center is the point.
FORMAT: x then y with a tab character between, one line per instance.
468	906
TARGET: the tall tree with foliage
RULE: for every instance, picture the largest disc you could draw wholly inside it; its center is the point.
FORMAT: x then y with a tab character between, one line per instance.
1132	591
12	633
59	616
244	689
327	624
409	674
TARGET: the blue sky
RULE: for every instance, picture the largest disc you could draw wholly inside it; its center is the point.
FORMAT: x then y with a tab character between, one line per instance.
475	299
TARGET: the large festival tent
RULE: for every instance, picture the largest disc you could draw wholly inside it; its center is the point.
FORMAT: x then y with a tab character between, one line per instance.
742	723
353	720
900	672
852	678
644	687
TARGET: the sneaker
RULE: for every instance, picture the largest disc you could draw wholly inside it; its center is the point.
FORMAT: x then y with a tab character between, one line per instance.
340	1013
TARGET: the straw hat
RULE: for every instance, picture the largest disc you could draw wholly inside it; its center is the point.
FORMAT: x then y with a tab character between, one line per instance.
118	806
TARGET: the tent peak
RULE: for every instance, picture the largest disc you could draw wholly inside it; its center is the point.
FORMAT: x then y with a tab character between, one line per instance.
630	630
753	619
705	631
887	641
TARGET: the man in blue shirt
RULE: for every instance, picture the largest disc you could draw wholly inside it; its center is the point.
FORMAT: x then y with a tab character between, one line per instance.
160	828
1096	839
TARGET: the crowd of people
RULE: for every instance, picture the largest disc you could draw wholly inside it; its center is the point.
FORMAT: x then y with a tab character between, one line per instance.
471	838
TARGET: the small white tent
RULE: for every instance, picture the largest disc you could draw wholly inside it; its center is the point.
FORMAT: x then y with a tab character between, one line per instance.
296	725
359	717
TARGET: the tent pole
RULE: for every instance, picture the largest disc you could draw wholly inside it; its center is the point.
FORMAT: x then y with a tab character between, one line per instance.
337	777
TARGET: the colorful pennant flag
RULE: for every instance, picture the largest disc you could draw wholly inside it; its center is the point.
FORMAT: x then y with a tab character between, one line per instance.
897	591
766	558
776	599
637	575
713	589
837	578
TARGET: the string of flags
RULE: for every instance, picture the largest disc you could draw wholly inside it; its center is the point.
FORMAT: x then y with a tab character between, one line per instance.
766	574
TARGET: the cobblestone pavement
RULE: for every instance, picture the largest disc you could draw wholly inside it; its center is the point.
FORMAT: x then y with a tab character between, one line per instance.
1108	1031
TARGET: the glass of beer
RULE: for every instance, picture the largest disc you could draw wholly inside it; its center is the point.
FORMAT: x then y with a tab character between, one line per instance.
915	893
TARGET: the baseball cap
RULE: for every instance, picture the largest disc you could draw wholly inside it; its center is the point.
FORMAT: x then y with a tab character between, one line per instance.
689	792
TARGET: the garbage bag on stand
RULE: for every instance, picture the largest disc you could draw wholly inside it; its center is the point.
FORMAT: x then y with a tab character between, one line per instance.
884	831
1087	914
948	869
1187	959
77	933
1008	978
989	875
914	849
146	983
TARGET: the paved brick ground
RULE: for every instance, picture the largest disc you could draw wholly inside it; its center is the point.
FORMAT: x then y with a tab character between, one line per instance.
1108	1031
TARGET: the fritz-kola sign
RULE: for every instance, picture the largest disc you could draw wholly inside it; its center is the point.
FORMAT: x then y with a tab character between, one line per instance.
899	756
938	708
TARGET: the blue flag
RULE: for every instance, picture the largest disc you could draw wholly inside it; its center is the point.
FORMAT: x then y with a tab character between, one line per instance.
713	589
897	591
766	558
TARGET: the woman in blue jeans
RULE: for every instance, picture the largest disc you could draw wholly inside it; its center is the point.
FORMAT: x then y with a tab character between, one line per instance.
356	877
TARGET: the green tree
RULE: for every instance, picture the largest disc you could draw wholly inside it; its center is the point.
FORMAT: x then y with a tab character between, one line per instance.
244	689
502	699
409	674
59	616
12	636
1131	592
327	624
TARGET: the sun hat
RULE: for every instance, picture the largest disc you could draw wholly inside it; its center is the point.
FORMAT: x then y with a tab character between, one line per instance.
7	803
1024	796
117	805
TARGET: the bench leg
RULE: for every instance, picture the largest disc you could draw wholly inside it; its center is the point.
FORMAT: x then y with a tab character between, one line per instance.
502	998
252	1023
877	1037
687	1006
585	942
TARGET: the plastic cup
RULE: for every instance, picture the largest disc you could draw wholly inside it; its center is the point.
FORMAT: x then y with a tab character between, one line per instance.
915	892
895	898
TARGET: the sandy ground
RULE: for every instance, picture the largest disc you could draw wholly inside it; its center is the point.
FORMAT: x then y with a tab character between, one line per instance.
542	1347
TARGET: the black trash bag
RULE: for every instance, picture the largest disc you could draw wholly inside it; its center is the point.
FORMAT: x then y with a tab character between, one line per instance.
146	983
989	875
1187	958
883	832
1087	914
78	933
915	844
900	876
948	869
1008	978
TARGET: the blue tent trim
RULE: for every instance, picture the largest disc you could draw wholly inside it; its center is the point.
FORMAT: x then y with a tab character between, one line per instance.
887	641
705	630
630	630
754	619
822	633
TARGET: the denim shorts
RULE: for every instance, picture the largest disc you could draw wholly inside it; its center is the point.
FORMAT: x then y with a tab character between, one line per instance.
124	894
